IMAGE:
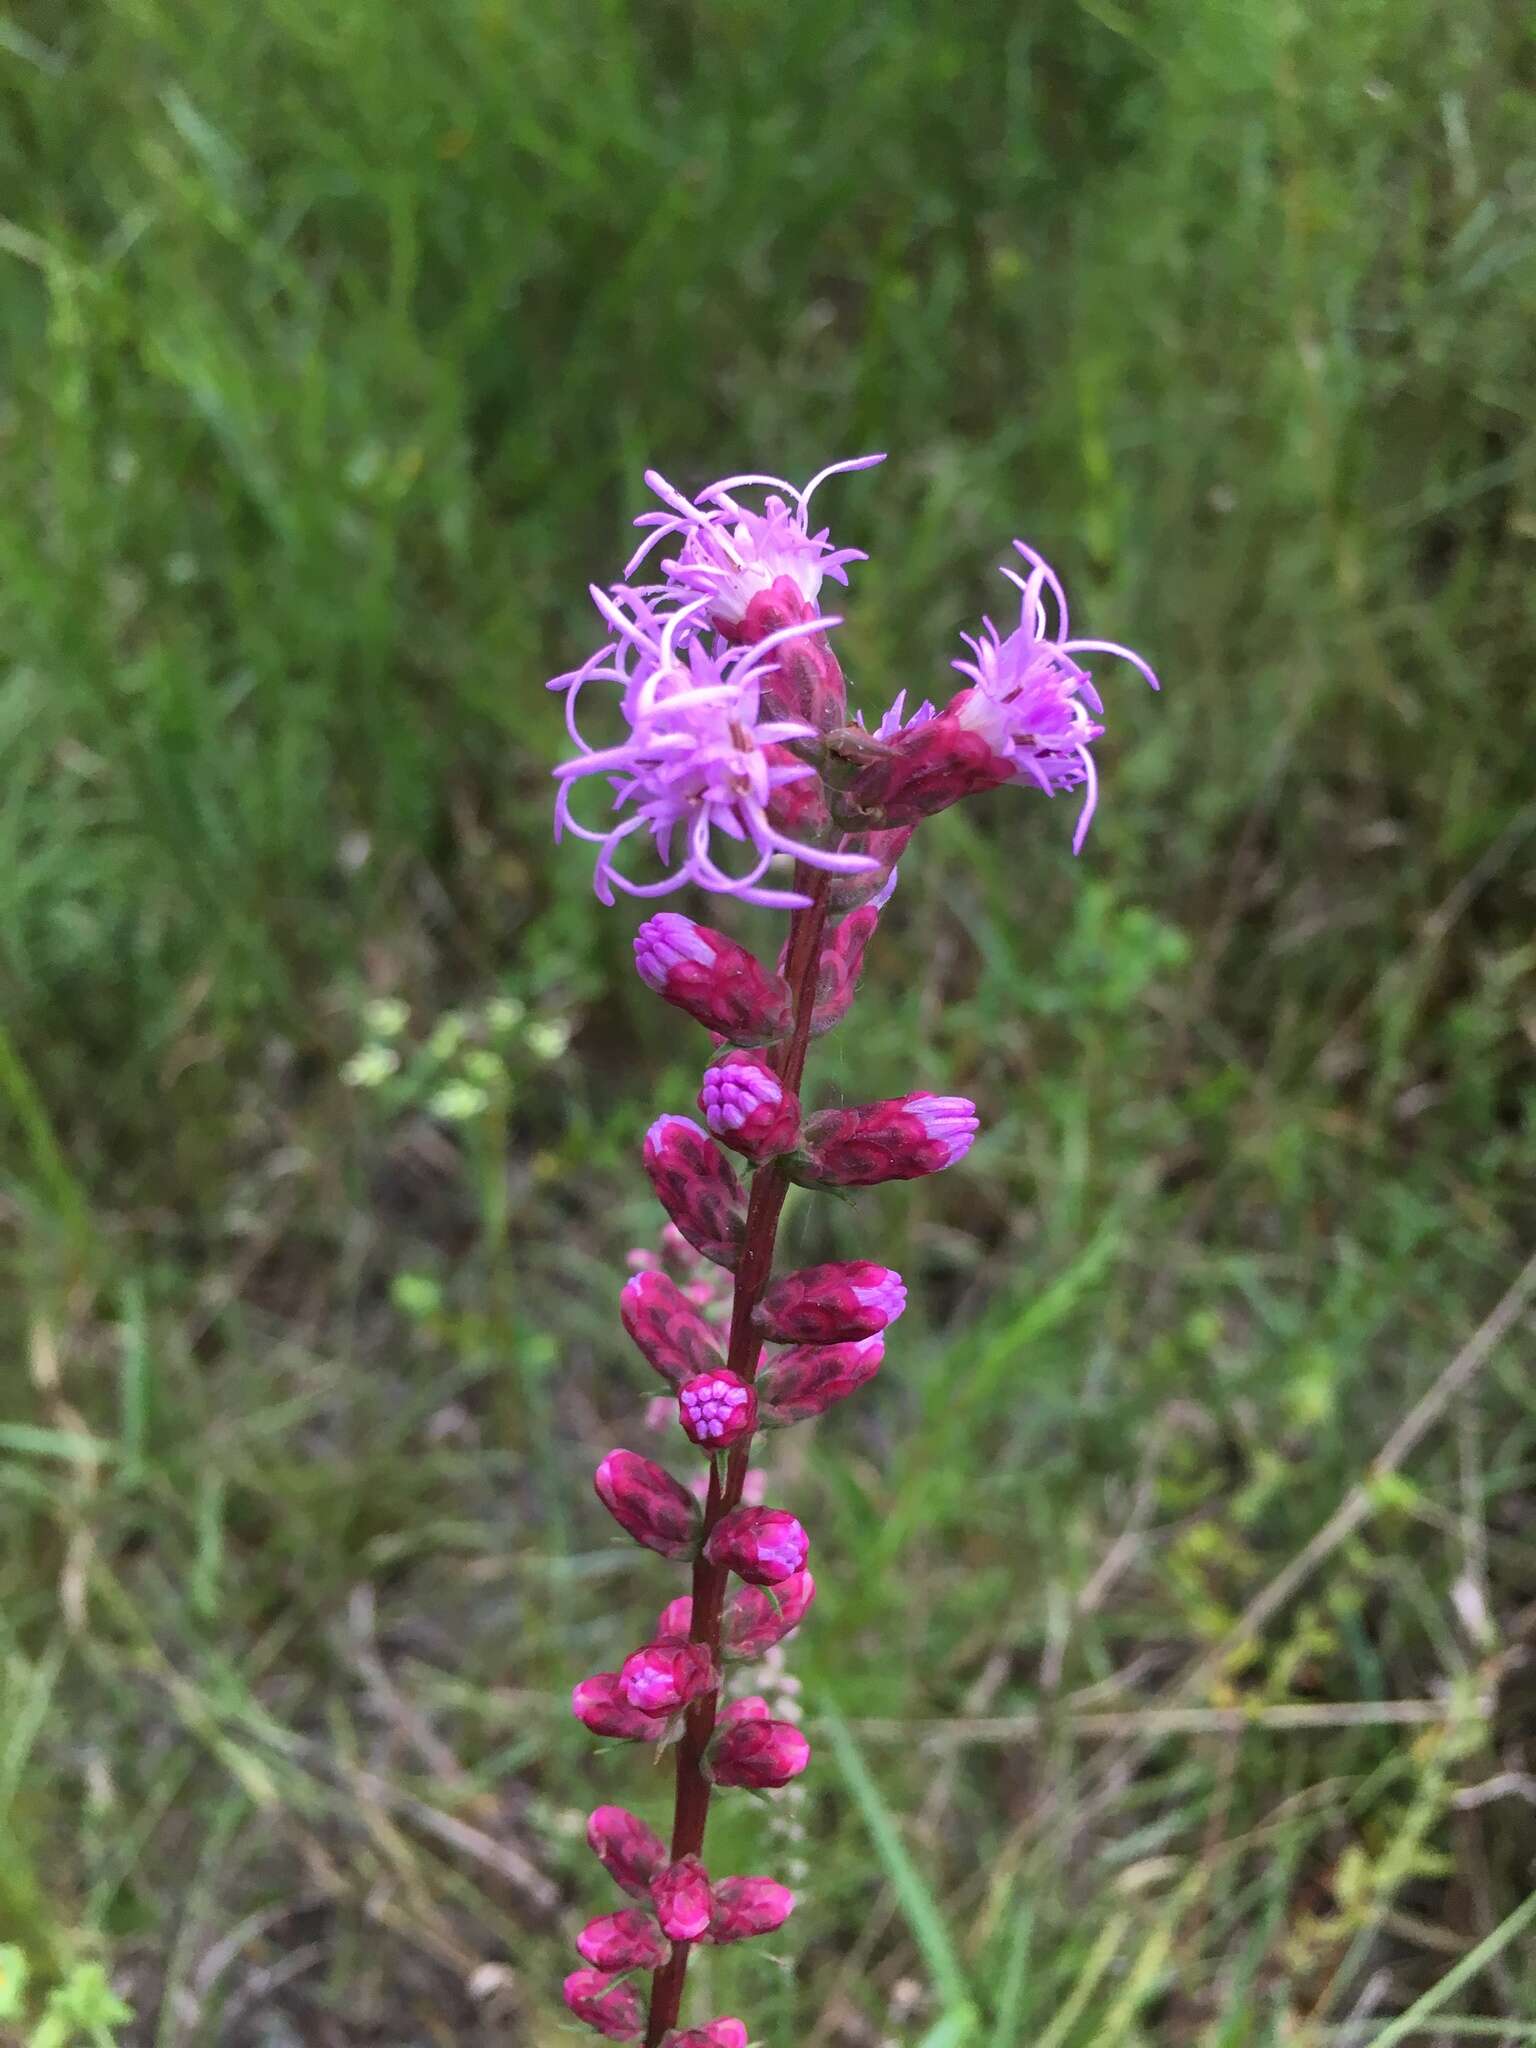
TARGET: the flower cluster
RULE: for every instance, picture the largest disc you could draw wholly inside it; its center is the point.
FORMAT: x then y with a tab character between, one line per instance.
735	738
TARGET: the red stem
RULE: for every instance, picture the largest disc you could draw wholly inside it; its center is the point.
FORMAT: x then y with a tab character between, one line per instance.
690	1813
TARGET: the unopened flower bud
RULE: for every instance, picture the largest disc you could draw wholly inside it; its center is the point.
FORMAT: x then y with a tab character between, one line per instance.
852	892
599	1703
806	679
671	1334
681	1896
649	1504
751	1707
697	1187
675	1621
841	964
759	1755
726	2033
808	1379
628	1850
744	1906
716	1409
930	766
611	2009
761	1545
629	1940
757	1617
748	1107
716	981
880	1141
831	1304
664	1677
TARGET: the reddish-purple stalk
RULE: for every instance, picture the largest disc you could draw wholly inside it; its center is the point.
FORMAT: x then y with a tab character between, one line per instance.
690	1814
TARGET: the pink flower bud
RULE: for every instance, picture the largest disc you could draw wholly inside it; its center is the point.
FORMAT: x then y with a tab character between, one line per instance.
716	1409
663	1677
929	766
748	1107
649	1504
900	1140
761	1545
674	1624
842	962
628	1850
629	1940
696	1186
806	680
671	1334
757	1617
752	1707
758	1754
807	1380
681	1896
613	2010
744	1906
796	806
599	1703
727	2033
831	1304
852	892
716	981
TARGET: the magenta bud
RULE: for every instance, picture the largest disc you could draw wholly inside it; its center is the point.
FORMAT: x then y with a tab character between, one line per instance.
681	1896
716	1409
831	1304
629	1940
649	1504
808	1379
757	1617
697	1187
628	1850
674	1624
805	681
748	1107
761	1545
744	1906
900	1140
726	2033
671	1334
842	962
752	1707
927	767
611	2009
716	981
599	1703
663	1677
854	892
759	1755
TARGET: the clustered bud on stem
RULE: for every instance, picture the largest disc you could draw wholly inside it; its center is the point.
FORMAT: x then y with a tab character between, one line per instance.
738	738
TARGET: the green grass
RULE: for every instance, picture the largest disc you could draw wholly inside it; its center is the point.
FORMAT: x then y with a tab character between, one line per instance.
336	338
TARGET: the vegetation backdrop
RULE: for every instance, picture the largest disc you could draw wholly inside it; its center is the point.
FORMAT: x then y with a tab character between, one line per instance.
1154	1704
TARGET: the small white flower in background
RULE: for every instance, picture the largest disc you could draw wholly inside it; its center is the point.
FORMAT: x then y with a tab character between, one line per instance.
371	1067
504	1014
459	1102
386	1017
548	1037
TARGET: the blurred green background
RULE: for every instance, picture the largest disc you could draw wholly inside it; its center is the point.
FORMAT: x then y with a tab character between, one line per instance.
336	338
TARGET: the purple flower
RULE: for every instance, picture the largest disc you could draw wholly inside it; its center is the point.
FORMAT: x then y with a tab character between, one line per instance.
701	761
730	553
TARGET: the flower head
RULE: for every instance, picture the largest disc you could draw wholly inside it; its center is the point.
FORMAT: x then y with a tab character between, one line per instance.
761	1545
671	1334
757	1617
696	1185
599	1703
831	1304
665	1676
744	1906
730	553
611	2009
701	762
715	980
716	1409
900	1140
809	1378
748	1107
628	1850
681	1896
726	2033
629	1940
648	1504
758	1753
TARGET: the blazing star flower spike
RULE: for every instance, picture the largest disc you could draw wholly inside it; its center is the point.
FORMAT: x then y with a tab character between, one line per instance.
665	1677
748	1107
667	1329
682	1899
628	1850
649	1504
712	979
760	1545
630	1940
757	1617
695	767
807	1380
745	1906
759	1755
612	2009
695	1184
717	1409
599	1703
900	1140
831	1304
